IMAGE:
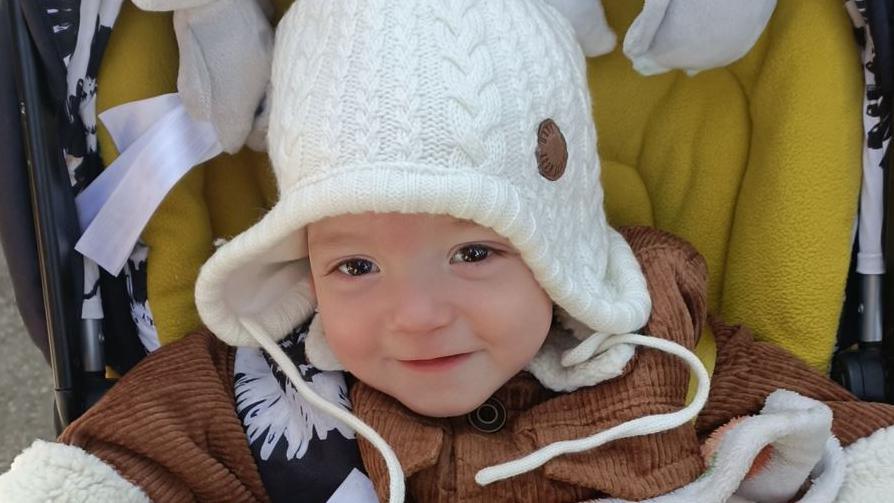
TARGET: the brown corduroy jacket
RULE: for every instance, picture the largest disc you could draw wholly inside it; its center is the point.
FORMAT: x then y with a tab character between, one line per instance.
170	427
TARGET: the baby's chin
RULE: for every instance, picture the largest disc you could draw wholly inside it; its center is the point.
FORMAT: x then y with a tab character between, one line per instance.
444	403
443	409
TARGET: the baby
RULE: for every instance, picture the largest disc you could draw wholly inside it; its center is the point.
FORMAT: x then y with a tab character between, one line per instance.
436	312
438	276
439	196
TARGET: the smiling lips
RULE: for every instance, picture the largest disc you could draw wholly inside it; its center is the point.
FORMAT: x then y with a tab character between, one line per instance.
436	364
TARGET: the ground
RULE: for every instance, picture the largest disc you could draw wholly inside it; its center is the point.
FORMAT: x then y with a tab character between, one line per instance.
26	383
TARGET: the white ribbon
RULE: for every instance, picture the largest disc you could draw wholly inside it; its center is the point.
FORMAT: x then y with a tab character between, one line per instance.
159	143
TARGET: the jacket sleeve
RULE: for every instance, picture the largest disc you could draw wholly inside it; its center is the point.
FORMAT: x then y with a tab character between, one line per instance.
168	427
49	471
747	371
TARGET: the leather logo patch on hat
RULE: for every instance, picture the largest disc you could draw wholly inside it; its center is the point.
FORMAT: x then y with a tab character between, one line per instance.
552	152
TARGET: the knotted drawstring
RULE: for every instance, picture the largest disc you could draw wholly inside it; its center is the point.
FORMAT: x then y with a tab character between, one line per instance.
593	345
396	487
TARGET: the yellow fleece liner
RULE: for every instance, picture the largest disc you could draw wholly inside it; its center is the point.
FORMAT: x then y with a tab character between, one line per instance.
757	164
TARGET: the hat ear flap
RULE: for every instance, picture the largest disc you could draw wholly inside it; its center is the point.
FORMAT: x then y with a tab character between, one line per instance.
588	20
318	352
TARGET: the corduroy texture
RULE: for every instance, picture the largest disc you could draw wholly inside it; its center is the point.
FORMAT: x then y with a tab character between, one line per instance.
440	457
169	426
757	164
415	106
747	371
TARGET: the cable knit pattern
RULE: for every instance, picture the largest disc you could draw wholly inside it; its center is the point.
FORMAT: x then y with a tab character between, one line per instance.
421	106
472	101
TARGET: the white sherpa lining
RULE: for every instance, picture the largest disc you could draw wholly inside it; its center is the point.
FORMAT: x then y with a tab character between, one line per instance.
870	469
61	473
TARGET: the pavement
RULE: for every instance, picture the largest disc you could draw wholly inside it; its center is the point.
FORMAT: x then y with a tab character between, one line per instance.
26	383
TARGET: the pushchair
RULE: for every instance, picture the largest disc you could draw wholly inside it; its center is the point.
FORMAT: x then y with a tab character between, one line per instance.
95	324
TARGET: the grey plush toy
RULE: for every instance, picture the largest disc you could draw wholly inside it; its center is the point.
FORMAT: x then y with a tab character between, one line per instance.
226	49
694	35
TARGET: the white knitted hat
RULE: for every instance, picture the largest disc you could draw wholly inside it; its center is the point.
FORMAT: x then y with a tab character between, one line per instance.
460	107
477	109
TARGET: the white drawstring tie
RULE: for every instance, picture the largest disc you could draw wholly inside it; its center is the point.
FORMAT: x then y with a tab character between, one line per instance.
396	487
594	345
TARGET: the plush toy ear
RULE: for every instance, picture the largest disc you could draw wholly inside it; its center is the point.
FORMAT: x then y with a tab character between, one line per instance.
588	20
694	35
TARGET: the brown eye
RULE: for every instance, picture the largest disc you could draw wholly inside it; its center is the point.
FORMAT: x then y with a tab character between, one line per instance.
471	253
357	267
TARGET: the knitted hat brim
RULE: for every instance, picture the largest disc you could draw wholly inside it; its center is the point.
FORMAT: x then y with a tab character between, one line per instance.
262	275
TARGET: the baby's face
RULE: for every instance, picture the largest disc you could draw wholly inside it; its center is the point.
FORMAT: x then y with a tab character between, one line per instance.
434	311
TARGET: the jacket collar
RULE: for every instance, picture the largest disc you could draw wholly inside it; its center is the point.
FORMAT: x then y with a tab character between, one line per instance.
633	467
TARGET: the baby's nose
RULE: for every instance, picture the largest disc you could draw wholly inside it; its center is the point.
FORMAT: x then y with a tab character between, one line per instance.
419	307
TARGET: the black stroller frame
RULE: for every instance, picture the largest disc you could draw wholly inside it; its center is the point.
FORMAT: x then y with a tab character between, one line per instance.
44	225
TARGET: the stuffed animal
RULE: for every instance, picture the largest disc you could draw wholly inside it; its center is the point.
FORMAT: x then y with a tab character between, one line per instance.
226	48
694	35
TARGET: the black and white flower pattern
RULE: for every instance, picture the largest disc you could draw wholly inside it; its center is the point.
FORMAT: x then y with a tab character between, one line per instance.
80	30
877	108
136	278
294	444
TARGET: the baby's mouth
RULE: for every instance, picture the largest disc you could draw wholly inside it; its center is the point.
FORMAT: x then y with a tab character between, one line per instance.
436	364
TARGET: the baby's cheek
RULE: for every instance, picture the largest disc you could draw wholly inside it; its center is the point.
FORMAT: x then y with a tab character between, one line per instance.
521	339
534	324
348	338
